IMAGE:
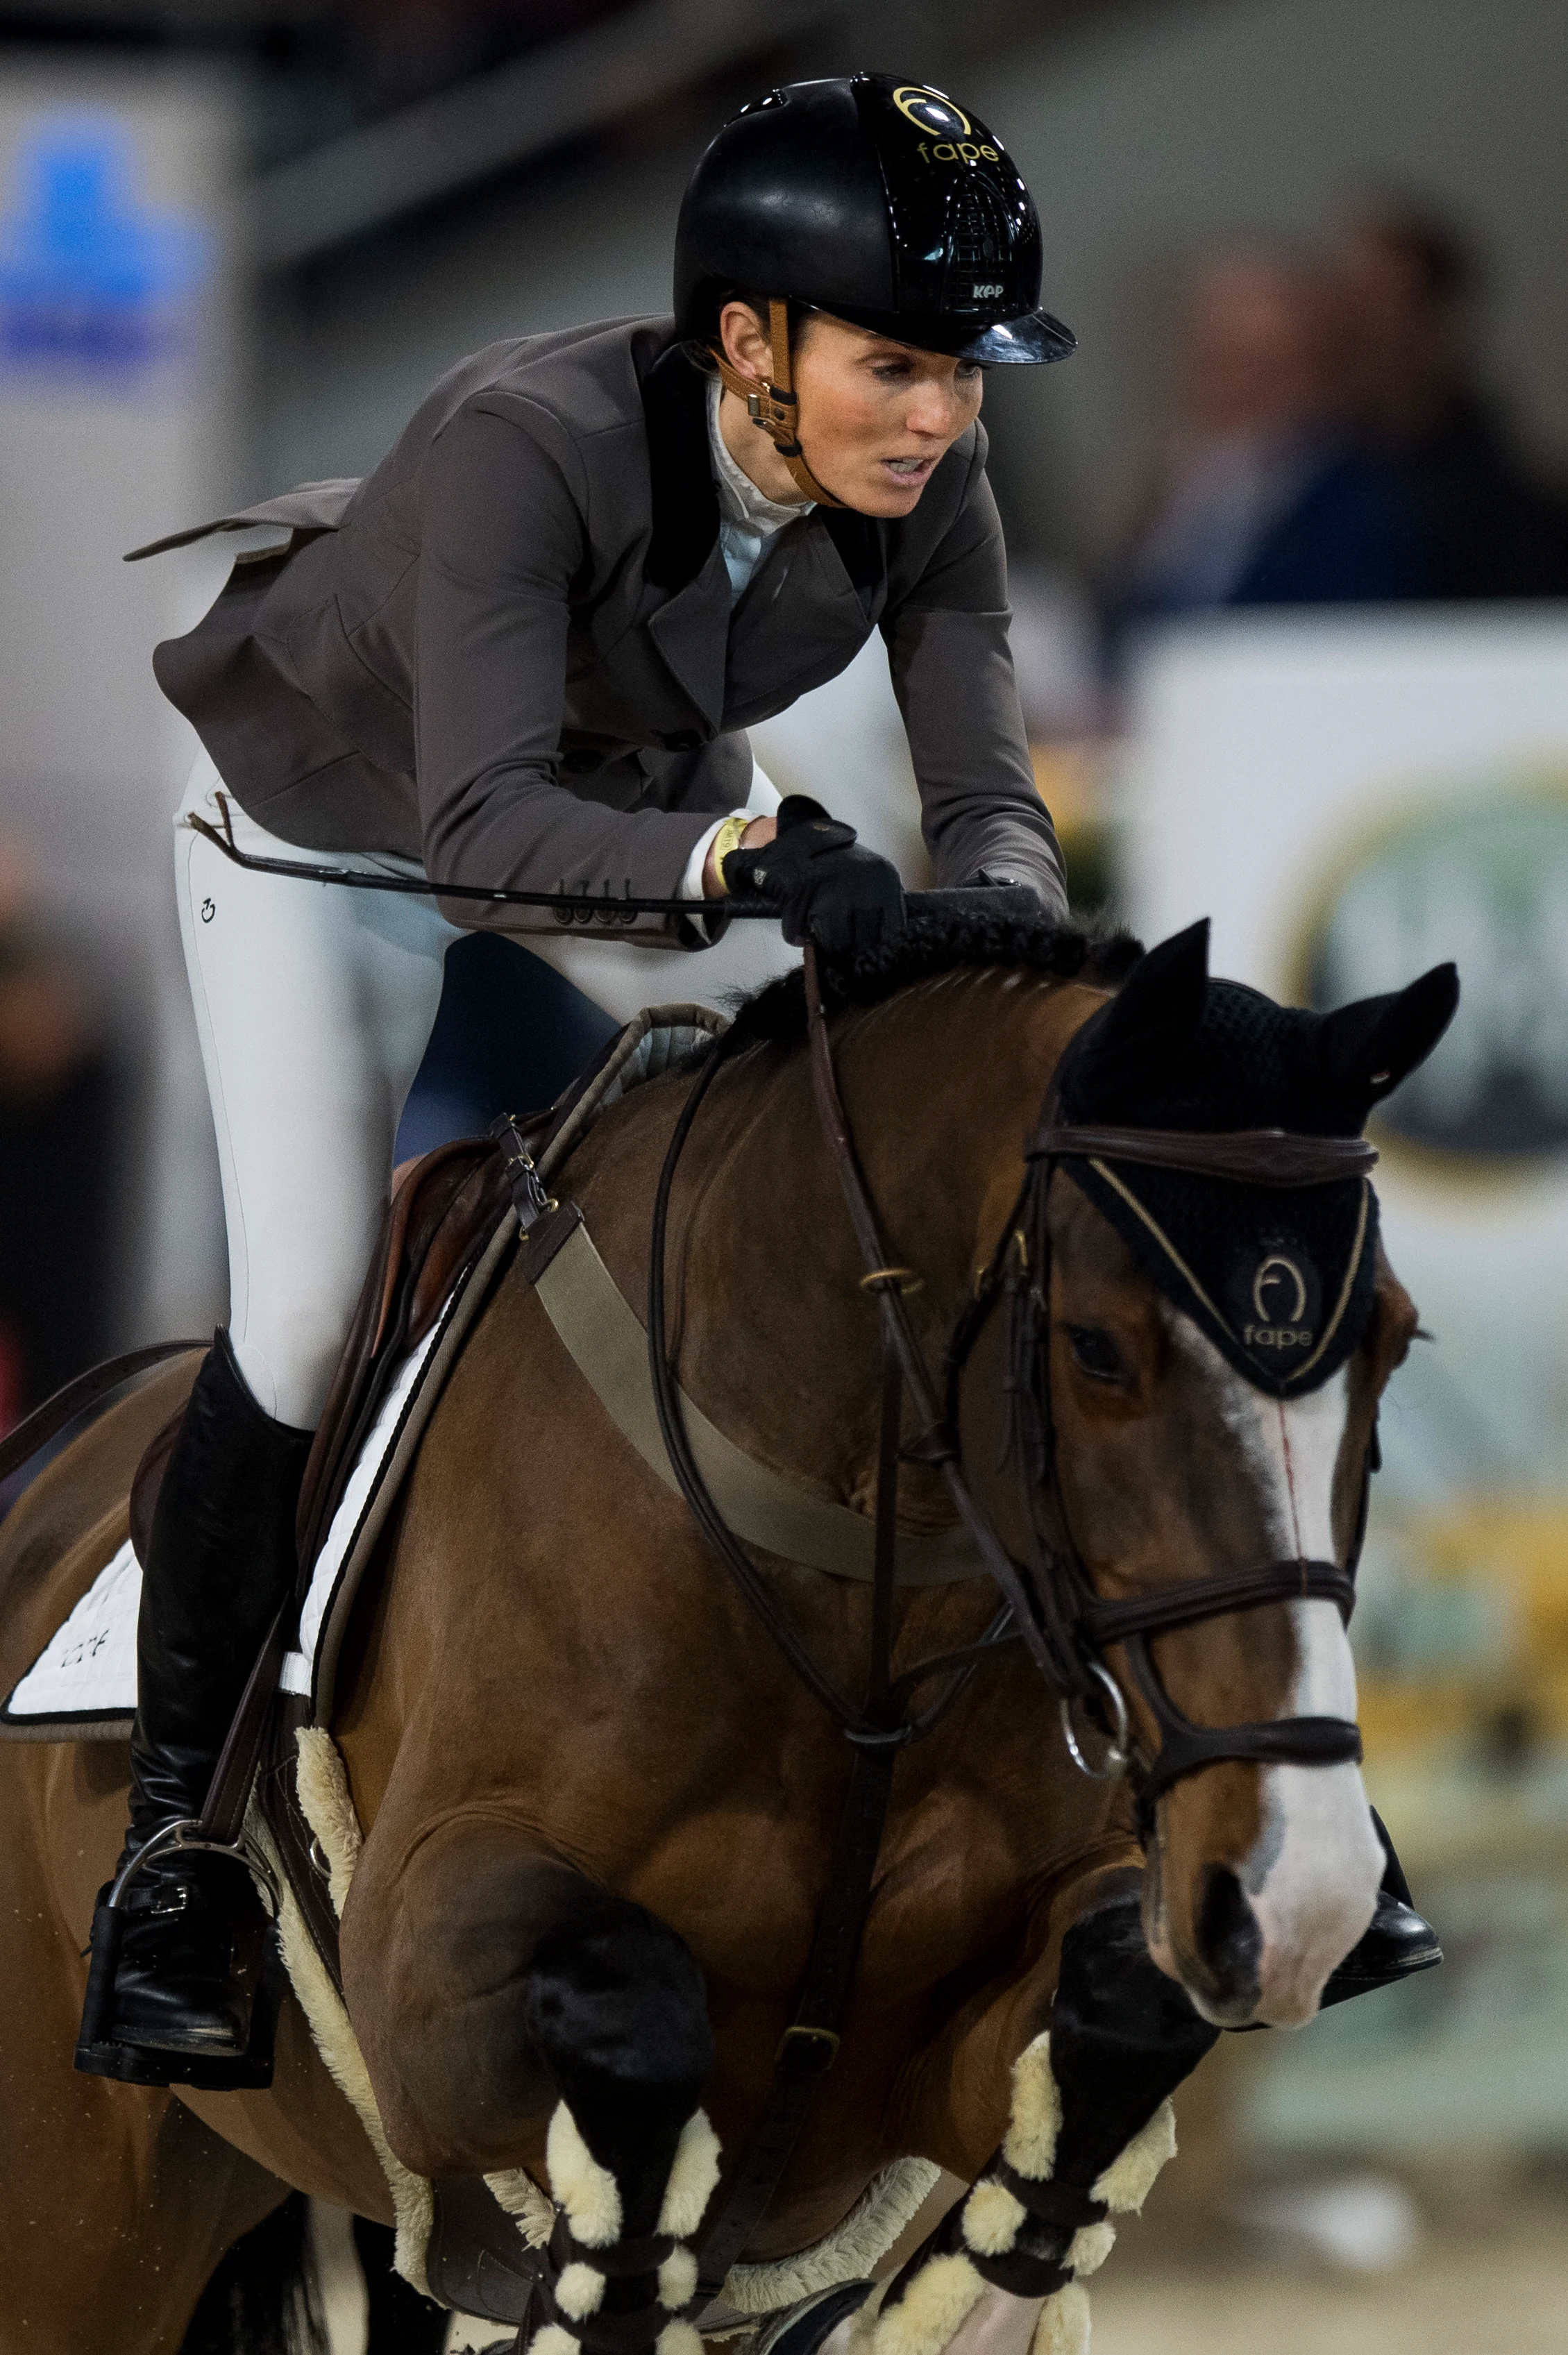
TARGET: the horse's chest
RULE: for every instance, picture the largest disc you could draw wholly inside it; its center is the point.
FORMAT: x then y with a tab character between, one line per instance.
955	1880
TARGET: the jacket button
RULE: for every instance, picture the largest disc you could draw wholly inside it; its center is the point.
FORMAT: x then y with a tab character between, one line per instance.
685	739
582	764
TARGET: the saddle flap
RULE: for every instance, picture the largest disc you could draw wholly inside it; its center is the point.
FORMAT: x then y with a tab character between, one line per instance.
443	1208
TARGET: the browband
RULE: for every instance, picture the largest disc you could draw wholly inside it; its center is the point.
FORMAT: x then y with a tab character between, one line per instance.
1248	1156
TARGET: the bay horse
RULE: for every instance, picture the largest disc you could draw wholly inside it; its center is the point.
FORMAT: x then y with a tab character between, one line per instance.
600	1808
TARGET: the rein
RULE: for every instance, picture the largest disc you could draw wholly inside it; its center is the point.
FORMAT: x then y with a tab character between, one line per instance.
1052	1608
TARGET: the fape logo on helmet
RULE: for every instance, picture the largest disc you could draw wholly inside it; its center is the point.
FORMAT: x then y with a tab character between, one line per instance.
929	111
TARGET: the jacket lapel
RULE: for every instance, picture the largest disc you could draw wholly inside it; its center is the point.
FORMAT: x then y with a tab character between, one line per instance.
860	542
803	618
691	631
691	628
684	503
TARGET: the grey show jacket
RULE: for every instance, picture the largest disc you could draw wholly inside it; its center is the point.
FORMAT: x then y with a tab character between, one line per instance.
511	650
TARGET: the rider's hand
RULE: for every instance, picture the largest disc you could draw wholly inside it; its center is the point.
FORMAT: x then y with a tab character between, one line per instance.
827	889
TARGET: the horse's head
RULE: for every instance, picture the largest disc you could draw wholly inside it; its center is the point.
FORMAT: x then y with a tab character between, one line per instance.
1216	1353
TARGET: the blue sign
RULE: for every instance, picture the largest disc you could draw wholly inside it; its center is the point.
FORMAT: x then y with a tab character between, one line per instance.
96	287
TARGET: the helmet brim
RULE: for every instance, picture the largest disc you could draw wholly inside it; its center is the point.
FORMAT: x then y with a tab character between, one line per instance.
1032	340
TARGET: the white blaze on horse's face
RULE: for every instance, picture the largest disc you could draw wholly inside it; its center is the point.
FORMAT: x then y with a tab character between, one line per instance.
1313	1874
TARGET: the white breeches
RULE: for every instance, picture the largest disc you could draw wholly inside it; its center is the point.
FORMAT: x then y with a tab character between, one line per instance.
314	1004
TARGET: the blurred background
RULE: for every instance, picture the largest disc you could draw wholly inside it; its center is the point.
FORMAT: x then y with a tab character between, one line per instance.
1289	544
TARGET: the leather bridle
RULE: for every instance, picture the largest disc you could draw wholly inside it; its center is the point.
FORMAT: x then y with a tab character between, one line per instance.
1080	1624
1049	1605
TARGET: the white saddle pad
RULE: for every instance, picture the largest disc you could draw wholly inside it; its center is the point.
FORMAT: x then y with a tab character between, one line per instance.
83	1683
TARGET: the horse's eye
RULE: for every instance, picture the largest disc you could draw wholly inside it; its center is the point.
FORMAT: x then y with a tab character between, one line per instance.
1096	1354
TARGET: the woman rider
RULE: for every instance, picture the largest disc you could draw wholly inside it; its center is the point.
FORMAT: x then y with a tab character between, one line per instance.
523	653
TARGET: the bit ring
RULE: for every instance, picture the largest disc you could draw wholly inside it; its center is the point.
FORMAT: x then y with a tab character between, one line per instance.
1118	1753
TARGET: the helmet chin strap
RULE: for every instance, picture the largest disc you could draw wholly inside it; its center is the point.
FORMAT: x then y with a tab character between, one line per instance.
773	406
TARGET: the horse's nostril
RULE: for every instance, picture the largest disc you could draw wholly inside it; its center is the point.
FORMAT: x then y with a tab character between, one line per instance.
1229	1938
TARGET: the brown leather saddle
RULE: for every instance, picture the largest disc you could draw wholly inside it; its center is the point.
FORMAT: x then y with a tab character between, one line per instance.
441	1213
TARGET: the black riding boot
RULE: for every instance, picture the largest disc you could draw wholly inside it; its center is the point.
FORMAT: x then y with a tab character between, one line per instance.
172	1993
1397	1943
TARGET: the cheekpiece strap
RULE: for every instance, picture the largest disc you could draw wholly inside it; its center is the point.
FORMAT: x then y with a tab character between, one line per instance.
1247	1156
775	405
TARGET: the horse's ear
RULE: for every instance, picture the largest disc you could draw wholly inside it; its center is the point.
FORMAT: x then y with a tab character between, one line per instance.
1131	1044
1370	1046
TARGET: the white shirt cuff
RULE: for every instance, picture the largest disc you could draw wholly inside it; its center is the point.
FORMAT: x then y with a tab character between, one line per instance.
691	881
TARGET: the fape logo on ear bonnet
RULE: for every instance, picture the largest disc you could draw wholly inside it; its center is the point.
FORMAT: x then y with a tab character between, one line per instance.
1275	1302
1280	1278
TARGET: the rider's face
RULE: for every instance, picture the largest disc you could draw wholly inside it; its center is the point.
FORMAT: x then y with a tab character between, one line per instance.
876	416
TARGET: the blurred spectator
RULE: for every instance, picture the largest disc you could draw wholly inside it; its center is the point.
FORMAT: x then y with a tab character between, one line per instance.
1263	495
1495	529
57	1150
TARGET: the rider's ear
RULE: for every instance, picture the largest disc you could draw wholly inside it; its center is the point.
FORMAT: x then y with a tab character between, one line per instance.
1135	1040
1368	1048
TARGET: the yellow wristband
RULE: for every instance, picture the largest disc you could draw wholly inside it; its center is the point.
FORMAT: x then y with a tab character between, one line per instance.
726	839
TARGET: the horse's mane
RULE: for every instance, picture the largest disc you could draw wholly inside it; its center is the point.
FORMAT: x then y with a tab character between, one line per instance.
937	940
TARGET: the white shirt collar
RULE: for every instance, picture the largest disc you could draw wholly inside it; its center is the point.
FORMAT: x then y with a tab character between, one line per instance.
739	501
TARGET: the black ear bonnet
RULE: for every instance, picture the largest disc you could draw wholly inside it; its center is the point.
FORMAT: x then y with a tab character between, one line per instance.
1280	1278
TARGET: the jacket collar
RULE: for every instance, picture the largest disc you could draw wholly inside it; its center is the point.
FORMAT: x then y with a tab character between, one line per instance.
685	505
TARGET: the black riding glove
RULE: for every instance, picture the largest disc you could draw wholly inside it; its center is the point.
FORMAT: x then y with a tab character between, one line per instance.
827	889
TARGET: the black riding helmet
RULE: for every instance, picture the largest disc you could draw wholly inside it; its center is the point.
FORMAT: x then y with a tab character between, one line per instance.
875	199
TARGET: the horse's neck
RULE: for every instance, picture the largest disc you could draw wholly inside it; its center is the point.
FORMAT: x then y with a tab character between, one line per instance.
776	1337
